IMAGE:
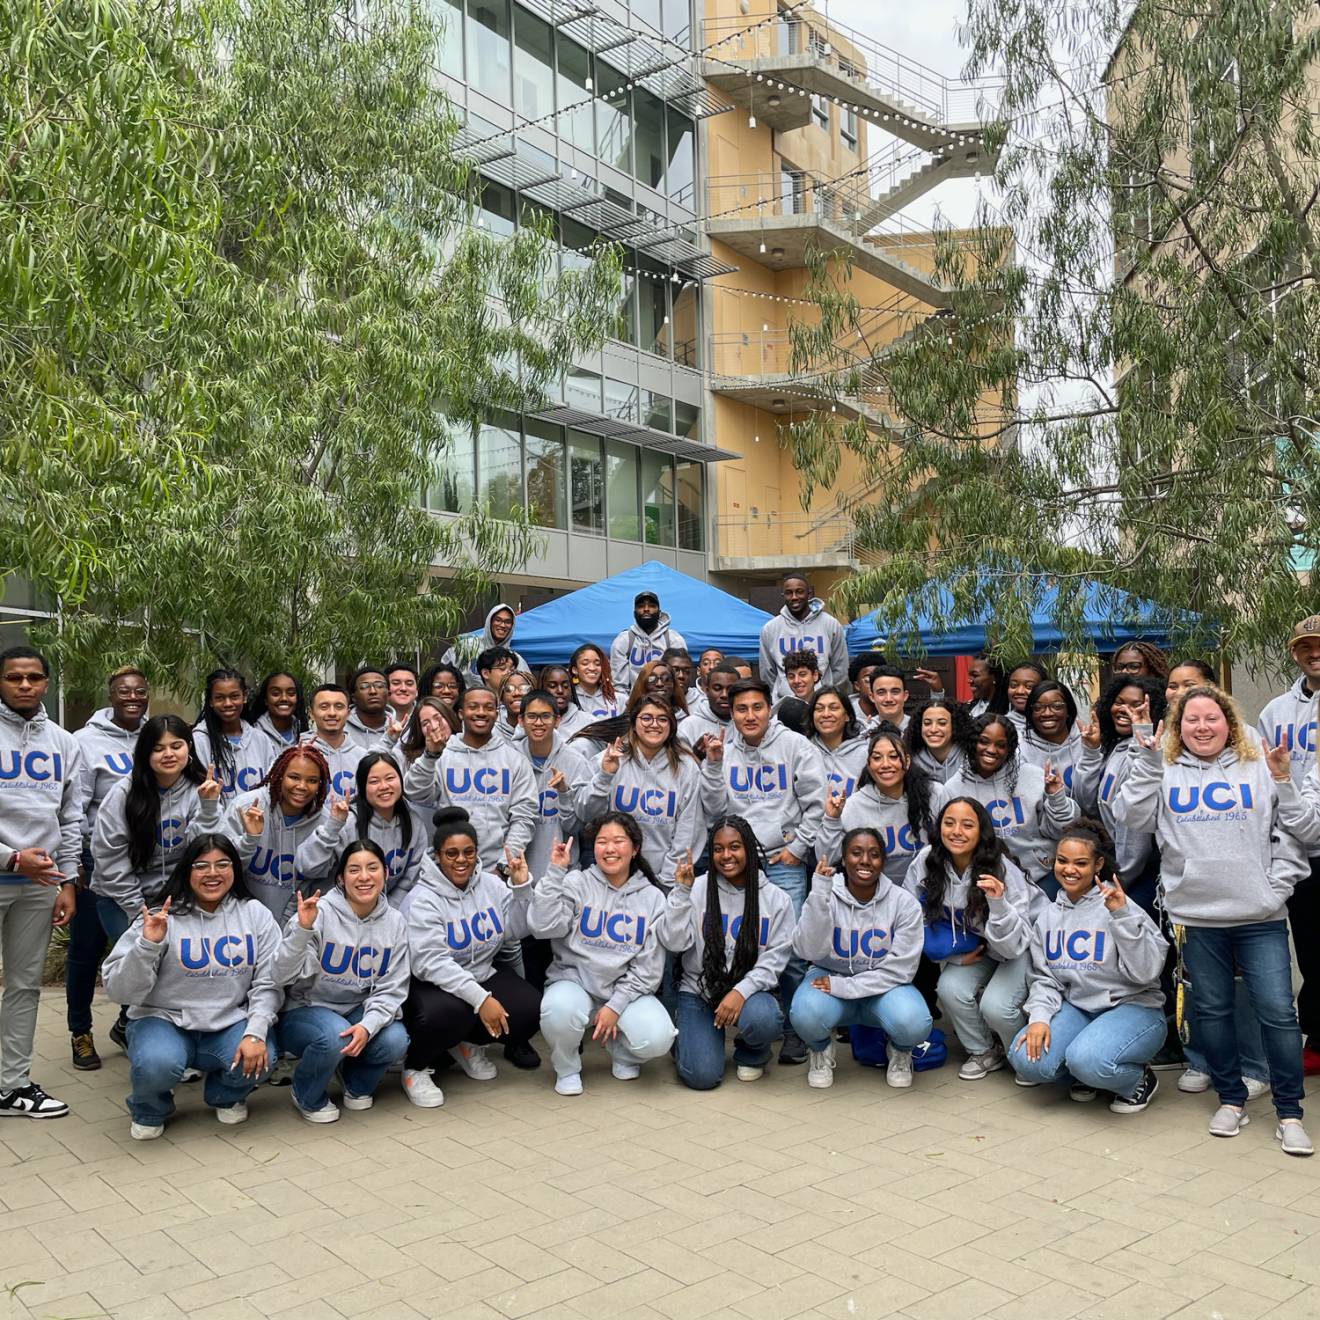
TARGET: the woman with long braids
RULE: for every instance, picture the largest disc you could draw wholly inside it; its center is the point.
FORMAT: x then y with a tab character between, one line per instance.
224	739
270	823
278	710
607	959
734	932
891	796
976	905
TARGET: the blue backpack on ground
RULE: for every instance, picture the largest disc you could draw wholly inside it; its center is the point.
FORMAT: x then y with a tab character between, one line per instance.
868	1049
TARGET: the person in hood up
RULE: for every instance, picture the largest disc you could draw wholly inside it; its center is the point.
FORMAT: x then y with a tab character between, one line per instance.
459	1000
496	631
802	624
593	683
774	779
1291	719
935	736
862	935
832	729
976	906
1227	821
648	637
269	824
277	709
196	973
1095	1010
224	739
343	962
734	932
608	959
107	741
329	709
41	820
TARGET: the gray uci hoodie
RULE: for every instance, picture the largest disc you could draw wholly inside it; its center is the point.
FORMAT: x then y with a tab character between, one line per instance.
1228	854
454	934
1093	959
107	752
183	816
252	755
211	970
346	961
41	791
633	648
343	761
1096	788
682	930
818	632
603	939
559	812
869	806
269	858
1007	928
778	786
843	764
867	948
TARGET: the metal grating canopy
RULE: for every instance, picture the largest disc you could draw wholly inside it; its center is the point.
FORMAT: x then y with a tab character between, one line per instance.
644	436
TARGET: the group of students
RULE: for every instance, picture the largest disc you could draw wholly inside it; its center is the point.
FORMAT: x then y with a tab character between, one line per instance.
381	875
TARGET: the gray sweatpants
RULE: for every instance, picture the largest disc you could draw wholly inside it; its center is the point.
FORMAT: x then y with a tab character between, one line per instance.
25	912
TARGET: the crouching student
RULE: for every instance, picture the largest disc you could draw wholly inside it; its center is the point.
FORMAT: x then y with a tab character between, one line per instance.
344	961
861	935
607	959
197	977
734	932
976	907
1095	1009
459	919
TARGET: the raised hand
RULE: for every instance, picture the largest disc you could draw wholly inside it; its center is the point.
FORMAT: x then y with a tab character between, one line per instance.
1149	741
357	1037
394	729
254	819
561	853
209	789
557	780
515	867
612	757
683	874
1279	760
834	801
1053	779
436	734
155	925
1090	731
493	1016
339	808
930	678
715	747
1112	893
990	885
823	868
307	909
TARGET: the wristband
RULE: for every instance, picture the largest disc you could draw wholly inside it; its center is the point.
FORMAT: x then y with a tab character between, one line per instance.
13	859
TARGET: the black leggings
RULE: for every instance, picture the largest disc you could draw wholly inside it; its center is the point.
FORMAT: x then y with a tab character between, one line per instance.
437	1020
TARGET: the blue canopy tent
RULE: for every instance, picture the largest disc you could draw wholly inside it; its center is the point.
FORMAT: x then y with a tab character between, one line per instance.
705	615
1110	618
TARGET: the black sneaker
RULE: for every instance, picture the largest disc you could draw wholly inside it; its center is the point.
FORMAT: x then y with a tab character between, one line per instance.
119	1033
1139	1099
31	1101
794	1049
522	1054
1170	1058
83	1047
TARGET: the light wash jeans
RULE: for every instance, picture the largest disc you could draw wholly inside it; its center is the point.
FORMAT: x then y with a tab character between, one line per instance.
793	880
700	1053
312	1035
645	1029
983	1000
1108	1051
901	1013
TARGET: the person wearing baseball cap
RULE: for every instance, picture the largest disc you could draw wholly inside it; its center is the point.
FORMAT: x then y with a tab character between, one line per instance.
647	638
1291	719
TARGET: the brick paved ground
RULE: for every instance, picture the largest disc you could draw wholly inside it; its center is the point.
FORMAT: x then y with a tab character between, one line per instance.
646	1200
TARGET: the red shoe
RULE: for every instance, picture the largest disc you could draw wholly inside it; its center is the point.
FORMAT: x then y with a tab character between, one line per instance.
1310	1061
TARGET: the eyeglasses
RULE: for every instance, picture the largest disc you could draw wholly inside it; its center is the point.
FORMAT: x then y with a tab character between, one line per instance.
371	687
219	868
651	721
124	692
538	717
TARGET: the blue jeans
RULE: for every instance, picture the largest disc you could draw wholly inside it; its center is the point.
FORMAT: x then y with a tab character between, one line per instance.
82	958
1108	1051
312	1035
901	1013
1250	1045
1259	951
700	1047
114	920
158	1052
793	880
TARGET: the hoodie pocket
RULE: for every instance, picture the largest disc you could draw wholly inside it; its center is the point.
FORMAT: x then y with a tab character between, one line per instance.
1224	890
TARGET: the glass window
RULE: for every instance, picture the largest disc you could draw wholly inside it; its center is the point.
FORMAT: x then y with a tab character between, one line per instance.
575	126
626	327
657	411
653	307
586	483
658	497
499	466
533	66
457	479
648	11
678	172
613	129
488	47
792	191
545	474
496	212
686	327
582	389
649	138
625	522
450	15
820	111
848	129
620	400
687	420
678	19
688	485
577	241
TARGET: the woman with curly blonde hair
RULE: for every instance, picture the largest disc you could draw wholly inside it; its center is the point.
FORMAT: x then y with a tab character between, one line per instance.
1225	819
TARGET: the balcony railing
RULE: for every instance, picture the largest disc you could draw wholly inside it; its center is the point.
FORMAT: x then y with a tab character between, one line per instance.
768	535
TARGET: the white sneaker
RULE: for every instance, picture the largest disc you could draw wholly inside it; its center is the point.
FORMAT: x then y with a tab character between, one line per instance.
328	1112
1025	1082
357	1101
1193	1082
232	1114
1256	1088
748	1072
570	1085
1228	1121
1292	1136
981	1065
626	1072
820	1067
473	1061
899	1071
146	1131
190	1075
421	1090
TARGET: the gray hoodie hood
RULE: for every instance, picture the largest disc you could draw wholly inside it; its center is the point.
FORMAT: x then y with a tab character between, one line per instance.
817	631
107	752
41	790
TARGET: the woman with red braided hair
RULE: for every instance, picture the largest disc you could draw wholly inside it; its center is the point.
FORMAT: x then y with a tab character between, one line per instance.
269	822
